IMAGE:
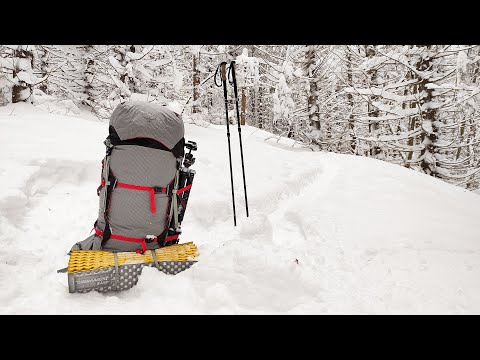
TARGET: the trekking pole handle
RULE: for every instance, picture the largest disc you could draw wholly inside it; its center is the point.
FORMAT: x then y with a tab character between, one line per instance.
231	70
224	73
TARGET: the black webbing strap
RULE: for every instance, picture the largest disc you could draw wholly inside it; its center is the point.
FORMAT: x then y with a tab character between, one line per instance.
111	181
155	260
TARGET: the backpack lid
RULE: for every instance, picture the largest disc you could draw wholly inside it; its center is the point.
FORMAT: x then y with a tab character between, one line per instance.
138	119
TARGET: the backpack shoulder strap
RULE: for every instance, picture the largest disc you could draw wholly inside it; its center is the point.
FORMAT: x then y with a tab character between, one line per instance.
109	182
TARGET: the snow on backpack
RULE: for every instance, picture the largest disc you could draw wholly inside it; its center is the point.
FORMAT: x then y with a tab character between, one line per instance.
145	180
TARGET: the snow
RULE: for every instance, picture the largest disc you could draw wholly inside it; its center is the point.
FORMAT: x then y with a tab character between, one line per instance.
23	64
247	65
160	62
177	80
120	85
24	94
381	92
27	77
52	104
175	106
116	65
462	61
134	56
7	63
327	233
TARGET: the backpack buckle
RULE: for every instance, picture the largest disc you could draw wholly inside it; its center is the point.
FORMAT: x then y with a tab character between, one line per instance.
150	238
158	189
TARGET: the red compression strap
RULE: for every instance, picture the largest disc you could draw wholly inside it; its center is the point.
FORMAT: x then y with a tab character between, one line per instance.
134	187
171	237
125	238
179	191
147	188
143	188
120	237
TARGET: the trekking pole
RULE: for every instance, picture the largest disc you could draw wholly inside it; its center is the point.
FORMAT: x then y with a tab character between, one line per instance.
224	83
234	82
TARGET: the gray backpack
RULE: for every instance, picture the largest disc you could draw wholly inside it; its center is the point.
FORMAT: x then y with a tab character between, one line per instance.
145	180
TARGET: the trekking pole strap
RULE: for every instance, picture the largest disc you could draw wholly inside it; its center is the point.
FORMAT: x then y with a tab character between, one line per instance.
215	77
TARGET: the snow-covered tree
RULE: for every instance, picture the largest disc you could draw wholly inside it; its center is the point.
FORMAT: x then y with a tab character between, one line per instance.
114	74
62	69
247	75
283	104
17	70
413	105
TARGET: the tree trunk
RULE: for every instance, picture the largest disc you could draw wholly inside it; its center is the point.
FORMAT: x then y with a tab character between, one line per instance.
472	183
19	89
370	52
312	105
428	117
43	68
351	121
253	94
196	84
413	120
460	139
467	77
260	107
243	108
123	61
476	69
89	76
